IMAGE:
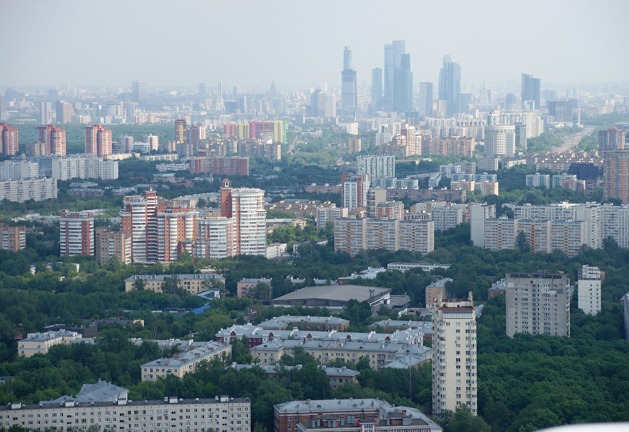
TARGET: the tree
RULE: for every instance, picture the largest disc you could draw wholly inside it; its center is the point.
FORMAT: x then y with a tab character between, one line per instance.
462	420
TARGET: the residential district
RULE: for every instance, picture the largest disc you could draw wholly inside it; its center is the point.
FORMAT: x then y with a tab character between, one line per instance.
165	251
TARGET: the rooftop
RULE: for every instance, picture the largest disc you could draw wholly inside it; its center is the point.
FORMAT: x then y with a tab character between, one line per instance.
340	293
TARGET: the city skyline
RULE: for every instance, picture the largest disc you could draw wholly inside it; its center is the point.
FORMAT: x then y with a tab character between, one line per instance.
560	42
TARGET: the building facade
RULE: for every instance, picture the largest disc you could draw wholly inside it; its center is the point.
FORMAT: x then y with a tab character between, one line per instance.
589	290
76	233
98	140
54	140
112	244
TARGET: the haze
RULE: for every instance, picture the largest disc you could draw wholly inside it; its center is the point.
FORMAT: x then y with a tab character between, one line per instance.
298	43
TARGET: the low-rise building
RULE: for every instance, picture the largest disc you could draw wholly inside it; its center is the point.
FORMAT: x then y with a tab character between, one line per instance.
193	283
350	415
103	406
185	362
334	296
305	322
40	343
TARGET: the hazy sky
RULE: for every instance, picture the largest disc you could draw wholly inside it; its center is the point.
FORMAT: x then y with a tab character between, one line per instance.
300	43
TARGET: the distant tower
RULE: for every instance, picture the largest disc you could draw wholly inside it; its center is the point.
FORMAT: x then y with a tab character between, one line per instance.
392	61
8	140
530	92
450	85
611	139
181	130
54	140
76	233
98	140
376	89
64	112
403	86
349	86
45	113
425	99
139	91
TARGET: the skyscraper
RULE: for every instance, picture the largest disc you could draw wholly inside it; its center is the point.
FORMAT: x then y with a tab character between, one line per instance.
392	60
403	86
450	85
45	113
562	109
181	131
530	92
376	89
64	112
139	223
349	86
538	303
54	140
454	374
98	140
425	99
139	91
8	140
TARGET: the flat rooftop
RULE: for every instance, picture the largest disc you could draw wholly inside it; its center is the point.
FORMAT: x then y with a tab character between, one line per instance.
339	293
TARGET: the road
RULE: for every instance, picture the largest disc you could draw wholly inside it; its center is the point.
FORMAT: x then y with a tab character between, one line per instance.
572	141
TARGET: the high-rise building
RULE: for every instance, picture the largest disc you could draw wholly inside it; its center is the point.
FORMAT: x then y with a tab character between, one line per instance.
611	139
54	140
246	207
392	61
349	84
12	238
616	175
538	303
530	92
98	140
3	108
8	140
589	290
354	191
181	130
36	189
521	141
562	109
450	85
215	237
376	89
425	99
45	113
139	91
175	232
112	244
139	223
403	86
500	140
454	374
64	112
376	166
76	233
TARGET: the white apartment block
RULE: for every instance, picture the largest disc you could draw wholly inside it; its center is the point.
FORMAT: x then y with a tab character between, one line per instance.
40	343
84	167
538	180
499	140
185	362
194	283
454	373
376	166
37	189
250	221
478	213
215	237
329	213
447	216
589	290
17	170
538	303
221	414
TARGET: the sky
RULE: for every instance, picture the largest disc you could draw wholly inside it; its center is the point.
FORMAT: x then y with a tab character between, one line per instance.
299	43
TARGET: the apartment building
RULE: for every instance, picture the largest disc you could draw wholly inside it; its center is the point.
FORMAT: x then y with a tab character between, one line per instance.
589	289
112	244
84	167
40	343
12	238
436	292
76	233
454	373
350	415
329	212
538	303
17	170
103	406
185	362
37	189
193	283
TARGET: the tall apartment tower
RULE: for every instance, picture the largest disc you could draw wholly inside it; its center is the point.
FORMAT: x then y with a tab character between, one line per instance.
392	61
611	139
64	112
454	374
181	130
175	232
376	89
98	140
76	233
425	99
589	290
139	223
349	84
500	140
12	238
538	303
530	92
8	140
354	189
45	112
403	86
376	166
54	140
450	85
616	175
112	244
246	207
